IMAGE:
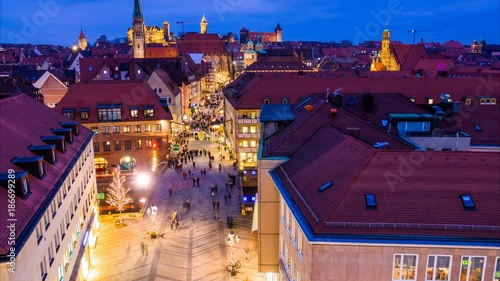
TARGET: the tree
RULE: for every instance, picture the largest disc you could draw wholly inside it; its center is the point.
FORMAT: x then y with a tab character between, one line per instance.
117	193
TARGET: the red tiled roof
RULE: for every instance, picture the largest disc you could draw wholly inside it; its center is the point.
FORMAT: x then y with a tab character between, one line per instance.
406	198
126	93
408	55
192	42
278	66
23	121
165	78
435	64
253	87
294	135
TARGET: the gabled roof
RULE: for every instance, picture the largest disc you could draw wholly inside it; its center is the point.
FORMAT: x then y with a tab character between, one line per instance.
91	95
165	78
408	55
23	121
209	43
406	204
435	64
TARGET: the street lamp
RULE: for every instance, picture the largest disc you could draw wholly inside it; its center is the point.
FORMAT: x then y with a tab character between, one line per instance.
232	240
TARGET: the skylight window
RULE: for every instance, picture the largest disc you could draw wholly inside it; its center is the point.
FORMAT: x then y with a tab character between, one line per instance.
370	201
325	186
477	128
467	201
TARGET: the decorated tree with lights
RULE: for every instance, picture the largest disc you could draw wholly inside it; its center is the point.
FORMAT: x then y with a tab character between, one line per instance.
117	193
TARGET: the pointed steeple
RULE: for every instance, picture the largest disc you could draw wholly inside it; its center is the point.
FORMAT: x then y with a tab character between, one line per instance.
278	28
137	9
81	34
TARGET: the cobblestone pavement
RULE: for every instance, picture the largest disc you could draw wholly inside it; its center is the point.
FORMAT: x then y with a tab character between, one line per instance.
197	250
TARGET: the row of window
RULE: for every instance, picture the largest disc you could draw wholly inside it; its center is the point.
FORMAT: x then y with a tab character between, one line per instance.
284	100
126	129
65	222
249	129
404	265
127	144
246	143
113	113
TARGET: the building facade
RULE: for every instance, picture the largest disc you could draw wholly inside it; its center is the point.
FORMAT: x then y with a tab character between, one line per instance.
339	208
49	178
131	123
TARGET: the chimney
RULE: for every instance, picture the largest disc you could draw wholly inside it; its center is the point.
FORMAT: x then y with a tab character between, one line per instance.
333	112
353	131
368	102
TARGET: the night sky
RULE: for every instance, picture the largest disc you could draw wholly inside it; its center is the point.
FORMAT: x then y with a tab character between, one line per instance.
59	21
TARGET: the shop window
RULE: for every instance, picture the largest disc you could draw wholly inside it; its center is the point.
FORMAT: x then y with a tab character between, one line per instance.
438	268
404	267
472	268
253	129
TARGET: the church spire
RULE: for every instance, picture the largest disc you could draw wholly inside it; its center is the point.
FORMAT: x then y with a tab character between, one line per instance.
137	9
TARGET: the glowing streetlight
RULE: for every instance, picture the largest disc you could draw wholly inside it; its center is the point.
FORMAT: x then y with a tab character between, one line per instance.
143	179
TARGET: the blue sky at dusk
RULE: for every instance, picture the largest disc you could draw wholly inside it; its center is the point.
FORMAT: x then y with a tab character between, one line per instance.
59	21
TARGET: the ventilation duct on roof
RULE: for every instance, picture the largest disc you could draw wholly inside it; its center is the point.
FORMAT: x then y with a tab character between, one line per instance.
309	108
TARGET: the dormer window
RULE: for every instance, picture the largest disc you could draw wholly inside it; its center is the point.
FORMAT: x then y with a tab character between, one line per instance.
21	182
412	99
148	111
71	125
284	100
69	113
34	165
109	112
57	140
66	132
84	113
467	100
429	100
134	112
267	100
487	101
47	151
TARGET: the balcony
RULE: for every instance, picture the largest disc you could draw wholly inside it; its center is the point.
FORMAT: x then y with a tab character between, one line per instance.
249	149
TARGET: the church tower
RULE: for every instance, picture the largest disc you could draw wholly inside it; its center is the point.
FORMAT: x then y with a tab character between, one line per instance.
477	48
82	41
139	31
203	25
279	33
385	61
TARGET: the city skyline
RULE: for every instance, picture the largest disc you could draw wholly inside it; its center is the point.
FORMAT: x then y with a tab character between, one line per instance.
58	22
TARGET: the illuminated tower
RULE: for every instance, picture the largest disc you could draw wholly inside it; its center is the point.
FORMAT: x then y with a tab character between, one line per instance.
166	31
139	31
279	33
82	41
203	25
385	61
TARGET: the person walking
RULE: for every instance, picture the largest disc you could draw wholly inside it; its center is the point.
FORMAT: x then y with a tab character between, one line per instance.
247	253
220	167
142	248
198	181
194	164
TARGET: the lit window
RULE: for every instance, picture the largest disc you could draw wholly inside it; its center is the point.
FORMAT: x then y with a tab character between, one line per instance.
126	129
429	100
253	129
106	146
253	115
245	130
404	267
134	112
137	128
84	113
472	268
245	143
111	113
149	143
253	143
438	268
148	112
496	275
69	113
138	144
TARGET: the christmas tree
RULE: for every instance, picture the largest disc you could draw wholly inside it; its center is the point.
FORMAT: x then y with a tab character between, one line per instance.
117	193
